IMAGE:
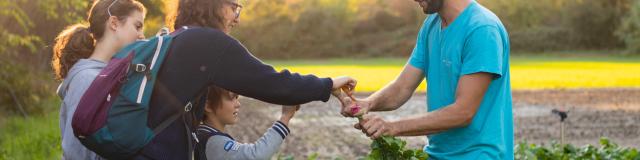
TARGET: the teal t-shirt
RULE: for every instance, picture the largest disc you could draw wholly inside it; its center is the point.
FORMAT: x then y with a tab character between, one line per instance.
476	41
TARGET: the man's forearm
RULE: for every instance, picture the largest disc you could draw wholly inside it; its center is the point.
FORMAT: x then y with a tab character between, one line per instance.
396	93
391	97
469	96
433	122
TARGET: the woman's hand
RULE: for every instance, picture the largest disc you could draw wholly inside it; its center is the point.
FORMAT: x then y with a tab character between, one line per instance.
343	83
287	113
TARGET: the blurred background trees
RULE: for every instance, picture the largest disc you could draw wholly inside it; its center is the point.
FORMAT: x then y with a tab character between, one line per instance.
388	28
629	30
304	29
27	29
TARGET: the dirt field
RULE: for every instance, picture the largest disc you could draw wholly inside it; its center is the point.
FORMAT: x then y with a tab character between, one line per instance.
319	128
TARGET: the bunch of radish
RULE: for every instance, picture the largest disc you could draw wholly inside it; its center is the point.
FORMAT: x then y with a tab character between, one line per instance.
388	147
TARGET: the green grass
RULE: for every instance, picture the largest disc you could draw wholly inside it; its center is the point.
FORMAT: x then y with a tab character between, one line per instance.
36	137
528	72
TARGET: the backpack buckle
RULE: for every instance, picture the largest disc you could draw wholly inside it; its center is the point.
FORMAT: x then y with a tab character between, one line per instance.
163	31
188	107
140	67
195	137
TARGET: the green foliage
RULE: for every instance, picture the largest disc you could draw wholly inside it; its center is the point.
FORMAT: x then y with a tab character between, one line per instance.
383	148
328	28
391	148
355	28
541	39
24	73
25	47
607	151
550	25
585	18
24	89
30	138
629	31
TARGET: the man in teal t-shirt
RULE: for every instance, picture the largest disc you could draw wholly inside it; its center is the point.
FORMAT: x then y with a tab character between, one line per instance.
462	50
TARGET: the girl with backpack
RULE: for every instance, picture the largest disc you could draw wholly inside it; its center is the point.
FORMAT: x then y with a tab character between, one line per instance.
82	50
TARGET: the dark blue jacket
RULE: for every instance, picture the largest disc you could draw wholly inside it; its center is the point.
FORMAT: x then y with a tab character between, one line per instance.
201	57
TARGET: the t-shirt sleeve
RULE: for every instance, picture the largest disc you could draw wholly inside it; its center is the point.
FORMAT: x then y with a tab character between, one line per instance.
419	56
483	52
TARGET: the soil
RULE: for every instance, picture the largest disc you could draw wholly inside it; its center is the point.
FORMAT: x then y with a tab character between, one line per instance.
319	128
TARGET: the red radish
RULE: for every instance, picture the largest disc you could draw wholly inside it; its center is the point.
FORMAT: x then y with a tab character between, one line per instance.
355	109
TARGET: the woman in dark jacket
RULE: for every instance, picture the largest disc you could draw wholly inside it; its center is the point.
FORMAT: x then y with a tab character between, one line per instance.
204	55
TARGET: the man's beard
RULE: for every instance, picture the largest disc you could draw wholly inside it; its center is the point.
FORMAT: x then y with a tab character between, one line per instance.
433	6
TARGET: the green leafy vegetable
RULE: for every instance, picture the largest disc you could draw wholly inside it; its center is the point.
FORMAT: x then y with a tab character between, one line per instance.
607	151
392	148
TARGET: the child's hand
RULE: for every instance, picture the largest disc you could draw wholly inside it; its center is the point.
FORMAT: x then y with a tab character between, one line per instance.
287	113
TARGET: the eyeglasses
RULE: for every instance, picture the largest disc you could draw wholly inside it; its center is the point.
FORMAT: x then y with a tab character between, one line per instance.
236	8
109	8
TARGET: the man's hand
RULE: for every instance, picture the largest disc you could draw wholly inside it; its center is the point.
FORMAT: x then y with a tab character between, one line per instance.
287	113
375	127
355	109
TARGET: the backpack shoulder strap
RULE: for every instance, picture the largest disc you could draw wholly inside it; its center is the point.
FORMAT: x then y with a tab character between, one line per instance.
164	124
187	108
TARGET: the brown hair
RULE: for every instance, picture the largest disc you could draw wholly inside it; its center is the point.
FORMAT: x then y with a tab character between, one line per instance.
215	96
78	41
203	13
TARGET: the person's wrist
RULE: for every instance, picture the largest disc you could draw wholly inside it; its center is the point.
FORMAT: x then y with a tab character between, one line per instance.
285	120
393	129
372	104
333	83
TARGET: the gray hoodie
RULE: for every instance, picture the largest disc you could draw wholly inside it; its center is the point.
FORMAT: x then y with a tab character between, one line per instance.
70	91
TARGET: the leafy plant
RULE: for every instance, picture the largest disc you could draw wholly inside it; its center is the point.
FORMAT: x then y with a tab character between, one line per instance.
389	147
607	150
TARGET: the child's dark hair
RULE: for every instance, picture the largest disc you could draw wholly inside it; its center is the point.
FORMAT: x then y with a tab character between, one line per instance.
215	96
